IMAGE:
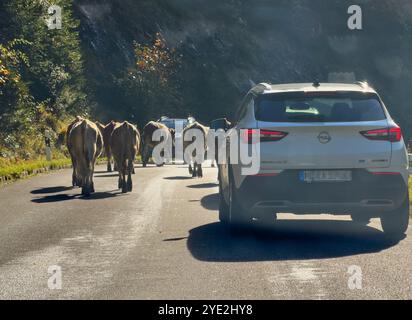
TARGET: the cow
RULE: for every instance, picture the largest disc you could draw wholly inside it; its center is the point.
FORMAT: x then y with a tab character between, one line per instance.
219	124
147	138
106	131
124	144
196	170
85	143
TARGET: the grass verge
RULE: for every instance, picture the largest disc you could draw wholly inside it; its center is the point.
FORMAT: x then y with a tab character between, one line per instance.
14	170
22	169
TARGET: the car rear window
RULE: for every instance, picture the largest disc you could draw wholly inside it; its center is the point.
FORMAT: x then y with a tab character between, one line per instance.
319	107
172	123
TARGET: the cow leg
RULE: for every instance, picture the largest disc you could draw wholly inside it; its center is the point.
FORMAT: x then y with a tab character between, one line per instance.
122	175
87	183
74	176
124	185
109	163
129	176
194	174
200	171
91	178
86	187
120	183
144	155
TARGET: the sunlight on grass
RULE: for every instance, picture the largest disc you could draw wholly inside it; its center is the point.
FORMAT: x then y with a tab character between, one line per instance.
12	171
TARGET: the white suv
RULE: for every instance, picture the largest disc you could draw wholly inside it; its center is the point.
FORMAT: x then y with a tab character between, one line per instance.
324	148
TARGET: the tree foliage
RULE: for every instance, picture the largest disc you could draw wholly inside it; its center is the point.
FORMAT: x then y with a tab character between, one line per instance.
42	80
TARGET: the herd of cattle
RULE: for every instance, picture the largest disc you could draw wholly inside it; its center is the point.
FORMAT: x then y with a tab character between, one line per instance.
120	141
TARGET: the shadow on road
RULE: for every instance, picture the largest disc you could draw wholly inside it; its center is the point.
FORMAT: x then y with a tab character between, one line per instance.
50	190
178	178
111	175
203	185
175	239
286	240
210	202
66	197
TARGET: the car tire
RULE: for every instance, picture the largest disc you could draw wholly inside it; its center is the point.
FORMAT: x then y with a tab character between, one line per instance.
224	213
395	223
239	219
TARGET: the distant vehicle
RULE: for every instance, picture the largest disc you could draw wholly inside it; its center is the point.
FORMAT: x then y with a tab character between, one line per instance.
176	123
325	148
172	123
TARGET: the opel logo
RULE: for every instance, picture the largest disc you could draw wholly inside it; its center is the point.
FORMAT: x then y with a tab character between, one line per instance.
324	137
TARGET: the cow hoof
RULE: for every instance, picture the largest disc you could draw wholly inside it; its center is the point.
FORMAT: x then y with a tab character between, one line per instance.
85	192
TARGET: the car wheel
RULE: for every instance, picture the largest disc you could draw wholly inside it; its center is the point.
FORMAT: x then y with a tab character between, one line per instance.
223	207
395	223
239	219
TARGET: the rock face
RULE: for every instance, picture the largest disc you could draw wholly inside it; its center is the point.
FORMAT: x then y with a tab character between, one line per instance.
225	43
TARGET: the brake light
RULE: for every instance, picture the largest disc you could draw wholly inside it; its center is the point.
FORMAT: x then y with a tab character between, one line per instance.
261	135
273	174
393	134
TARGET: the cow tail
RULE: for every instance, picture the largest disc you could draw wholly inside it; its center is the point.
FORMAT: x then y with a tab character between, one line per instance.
125	151
84	140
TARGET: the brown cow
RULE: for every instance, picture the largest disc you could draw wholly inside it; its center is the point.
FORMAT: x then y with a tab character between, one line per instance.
86	144
147	138
197	170
124	143
107	131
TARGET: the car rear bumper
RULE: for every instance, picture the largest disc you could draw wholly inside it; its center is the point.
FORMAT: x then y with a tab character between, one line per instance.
285	192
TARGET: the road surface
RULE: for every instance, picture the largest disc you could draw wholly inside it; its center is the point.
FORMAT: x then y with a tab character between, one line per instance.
163	241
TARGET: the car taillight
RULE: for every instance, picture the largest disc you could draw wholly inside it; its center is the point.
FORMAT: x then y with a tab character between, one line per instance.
261	135
393	134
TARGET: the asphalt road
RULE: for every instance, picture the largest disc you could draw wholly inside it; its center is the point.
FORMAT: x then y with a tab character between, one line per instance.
163	241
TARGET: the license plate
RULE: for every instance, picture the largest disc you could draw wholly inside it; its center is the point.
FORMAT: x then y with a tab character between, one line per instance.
325	176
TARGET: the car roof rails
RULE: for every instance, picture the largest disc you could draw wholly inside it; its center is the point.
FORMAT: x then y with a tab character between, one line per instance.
363	84
261	87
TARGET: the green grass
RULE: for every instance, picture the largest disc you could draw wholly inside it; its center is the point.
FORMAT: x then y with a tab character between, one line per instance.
17	169
14	171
